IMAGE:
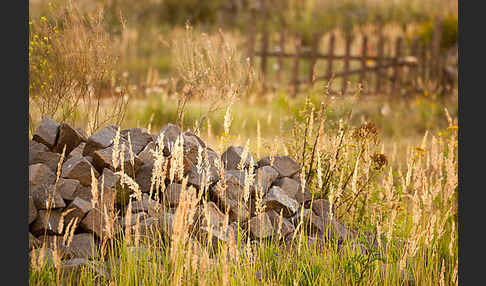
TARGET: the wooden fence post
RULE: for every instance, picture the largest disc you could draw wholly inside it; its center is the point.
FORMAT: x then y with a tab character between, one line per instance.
379	62
436	48
264	54
348	39
331	57
295	72
413	70
364	56
280	56
251	35
397	66
315	45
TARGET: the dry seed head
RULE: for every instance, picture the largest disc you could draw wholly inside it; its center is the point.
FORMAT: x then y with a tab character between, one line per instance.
442	270
280	221
149	126
71	232
259	139
59	165
454	274
137	231
200	162
131	184
68	228
302	181
130	150
108	226
244	155
227	119
319	170
452	240
116	150
128	219
122	156
61	220
94	189
249	178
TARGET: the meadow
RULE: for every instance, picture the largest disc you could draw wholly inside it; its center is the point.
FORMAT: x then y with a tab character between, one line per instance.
388	164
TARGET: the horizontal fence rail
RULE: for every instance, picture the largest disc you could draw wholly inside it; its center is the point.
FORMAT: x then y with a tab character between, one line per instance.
405	65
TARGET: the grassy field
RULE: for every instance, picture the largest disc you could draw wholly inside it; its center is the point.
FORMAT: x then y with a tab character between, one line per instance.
399	156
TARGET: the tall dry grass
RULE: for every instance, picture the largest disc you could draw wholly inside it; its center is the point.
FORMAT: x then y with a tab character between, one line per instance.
72	66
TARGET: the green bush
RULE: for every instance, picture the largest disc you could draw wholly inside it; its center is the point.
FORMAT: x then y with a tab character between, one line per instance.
449	32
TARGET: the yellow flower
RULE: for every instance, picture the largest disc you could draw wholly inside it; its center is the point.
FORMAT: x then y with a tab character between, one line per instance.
419	149
454	127
43	18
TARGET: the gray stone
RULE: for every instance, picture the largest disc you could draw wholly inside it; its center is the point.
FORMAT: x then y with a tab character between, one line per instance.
293	189
231	158
211	215
46	133
78	151
145	205
231	196
124	222
78	210
329	228
50	159
78	169
66	188
32	210
35	147
46	197
139	138
199	140
170	132
101	140
103	158
144	178
321	207
196	179
83	192
239	175
56	243
219	236
110	179
264	178
146	154
95	222
48	221
191	150
305	213
276	199
68	137
147	228
40	174
261	226
285	166
83	246
287	228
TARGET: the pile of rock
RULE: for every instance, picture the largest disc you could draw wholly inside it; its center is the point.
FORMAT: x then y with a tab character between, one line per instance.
61	192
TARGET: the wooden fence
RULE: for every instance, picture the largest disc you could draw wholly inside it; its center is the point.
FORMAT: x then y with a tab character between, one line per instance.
402	70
